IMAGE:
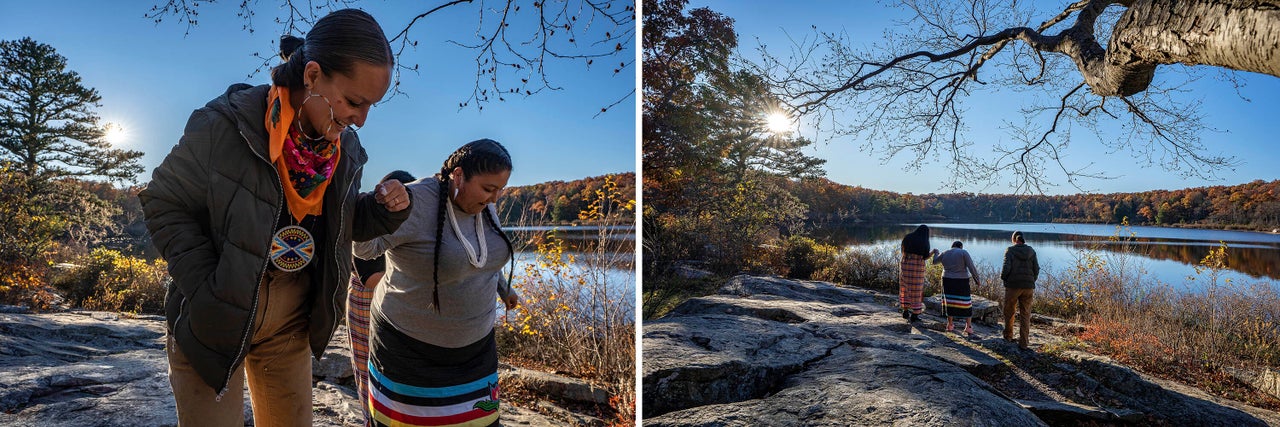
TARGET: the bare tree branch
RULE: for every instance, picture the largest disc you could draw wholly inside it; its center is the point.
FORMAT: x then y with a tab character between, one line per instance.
513	45
915	102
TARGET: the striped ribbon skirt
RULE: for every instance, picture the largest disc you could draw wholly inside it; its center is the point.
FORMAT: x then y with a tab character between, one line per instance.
412	383
956	298
358	297
911	283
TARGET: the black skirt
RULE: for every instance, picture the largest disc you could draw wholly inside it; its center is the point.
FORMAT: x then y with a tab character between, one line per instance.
956	298
415	383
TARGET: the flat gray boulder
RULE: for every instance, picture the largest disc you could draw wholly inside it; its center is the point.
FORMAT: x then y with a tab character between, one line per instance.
766	351
105	369
984	311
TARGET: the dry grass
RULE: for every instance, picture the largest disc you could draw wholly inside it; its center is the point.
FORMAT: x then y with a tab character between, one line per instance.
1196	333
662	294
575	317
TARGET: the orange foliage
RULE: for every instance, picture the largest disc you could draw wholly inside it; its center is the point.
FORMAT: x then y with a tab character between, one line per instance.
23	285
1252	205
1125	342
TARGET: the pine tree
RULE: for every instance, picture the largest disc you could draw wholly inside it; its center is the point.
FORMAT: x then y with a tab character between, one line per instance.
48	127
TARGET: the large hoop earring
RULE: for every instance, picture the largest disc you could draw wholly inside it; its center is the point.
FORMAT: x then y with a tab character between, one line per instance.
310	95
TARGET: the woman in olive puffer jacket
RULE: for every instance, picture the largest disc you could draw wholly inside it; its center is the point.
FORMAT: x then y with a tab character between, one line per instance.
255	210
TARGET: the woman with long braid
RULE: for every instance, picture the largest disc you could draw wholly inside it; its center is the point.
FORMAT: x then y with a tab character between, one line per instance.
432	355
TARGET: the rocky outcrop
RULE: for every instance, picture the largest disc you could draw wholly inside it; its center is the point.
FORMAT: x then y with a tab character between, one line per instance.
555	386
83	369
984	311
92	368
769	351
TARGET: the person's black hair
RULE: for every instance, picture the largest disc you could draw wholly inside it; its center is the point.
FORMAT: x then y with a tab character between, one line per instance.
957	244
399	175
484	156
335	42
917	242
1017	237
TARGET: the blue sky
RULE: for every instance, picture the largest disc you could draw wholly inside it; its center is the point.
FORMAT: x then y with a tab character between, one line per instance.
151	77
1249	126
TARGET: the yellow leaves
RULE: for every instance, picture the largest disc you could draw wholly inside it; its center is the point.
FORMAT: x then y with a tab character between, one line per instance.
570	318
607	203
1217	257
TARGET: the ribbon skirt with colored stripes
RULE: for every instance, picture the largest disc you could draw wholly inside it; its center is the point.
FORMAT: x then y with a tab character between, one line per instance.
412	383
956	298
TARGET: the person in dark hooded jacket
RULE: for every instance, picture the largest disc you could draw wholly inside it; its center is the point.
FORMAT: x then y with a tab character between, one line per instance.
255	211
1019	273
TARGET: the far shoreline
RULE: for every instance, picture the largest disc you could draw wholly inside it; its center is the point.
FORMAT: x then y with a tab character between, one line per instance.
1193	226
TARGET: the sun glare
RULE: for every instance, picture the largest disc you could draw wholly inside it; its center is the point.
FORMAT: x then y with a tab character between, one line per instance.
115	134
779	123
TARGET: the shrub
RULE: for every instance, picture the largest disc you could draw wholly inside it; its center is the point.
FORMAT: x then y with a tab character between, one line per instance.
22	284
874	268
574	316
108	280
804	256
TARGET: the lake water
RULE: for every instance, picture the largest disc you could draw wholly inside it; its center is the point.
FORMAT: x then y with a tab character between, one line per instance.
579	232
619	279
1166	254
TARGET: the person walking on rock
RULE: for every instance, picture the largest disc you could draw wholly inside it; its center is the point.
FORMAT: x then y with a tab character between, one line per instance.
957	299
255	210
433	358
1019	273
915	250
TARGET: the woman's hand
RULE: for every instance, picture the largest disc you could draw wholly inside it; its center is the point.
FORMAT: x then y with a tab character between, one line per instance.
512	300
392	195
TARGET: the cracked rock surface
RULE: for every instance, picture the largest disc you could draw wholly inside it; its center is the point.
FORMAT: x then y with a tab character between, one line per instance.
766	351
104	369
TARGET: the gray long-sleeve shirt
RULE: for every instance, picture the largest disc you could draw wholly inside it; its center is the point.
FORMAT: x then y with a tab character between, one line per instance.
403	297
956	264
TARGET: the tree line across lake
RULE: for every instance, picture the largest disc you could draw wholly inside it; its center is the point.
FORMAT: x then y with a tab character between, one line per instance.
1253	205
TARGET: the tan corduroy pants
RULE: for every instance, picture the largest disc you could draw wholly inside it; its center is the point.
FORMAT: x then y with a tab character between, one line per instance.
1020	300
278	365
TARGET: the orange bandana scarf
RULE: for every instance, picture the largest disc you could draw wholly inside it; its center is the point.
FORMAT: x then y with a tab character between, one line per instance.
304	167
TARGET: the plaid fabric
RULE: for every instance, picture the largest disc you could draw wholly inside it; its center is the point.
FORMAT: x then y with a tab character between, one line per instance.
956	299
358	297
911	283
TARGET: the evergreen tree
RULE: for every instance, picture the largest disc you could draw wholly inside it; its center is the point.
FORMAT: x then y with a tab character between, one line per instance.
48	127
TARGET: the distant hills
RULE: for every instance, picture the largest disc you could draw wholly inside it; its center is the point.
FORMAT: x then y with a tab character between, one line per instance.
1254	205
559	202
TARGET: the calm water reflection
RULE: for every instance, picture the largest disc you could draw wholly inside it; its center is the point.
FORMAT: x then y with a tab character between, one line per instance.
1167	254
580	241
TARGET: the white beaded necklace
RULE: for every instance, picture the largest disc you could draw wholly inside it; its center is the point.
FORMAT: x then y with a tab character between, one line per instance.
477	261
